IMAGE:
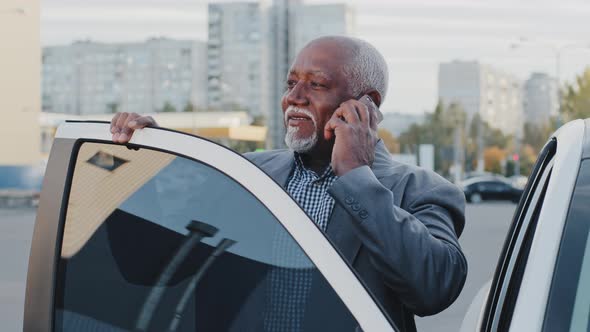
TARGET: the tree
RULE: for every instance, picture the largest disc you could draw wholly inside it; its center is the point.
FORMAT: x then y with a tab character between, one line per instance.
576	101
493	157
528	156
536	135
113	107
259	120
189	108
168	108
389	140
439	130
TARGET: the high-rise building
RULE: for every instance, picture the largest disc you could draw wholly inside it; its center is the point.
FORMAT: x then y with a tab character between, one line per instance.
541	100
311	21
92	78
252	45
292	25
481	89
234	51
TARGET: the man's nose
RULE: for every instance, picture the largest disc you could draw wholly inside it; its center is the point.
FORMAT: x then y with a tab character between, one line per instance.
297	95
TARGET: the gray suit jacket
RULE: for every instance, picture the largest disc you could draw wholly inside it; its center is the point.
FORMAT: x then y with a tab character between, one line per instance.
397	225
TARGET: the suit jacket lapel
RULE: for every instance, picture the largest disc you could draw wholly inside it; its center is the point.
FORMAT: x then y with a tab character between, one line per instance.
279	168
340	226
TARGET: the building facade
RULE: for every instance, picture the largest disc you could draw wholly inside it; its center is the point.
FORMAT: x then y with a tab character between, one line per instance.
541	99
234	50
481	89
94	78
252	45
291	25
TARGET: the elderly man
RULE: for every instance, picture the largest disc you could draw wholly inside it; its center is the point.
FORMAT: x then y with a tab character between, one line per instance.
397	225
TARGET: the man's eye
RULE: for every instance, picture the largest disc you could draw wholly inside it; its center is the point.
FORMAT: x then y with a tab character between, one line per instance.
317	85
291	84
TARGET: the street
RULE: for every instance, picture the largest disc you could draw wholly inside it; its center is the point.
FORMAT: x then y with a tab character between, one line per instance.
482	241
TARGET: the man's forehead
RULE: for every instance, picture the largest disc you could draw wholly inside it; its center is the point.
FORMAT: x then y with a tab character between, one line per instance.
311	72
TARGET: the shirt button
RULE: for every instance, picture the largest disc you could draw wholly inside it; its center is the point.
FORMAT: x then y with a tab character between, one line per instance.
356	207
363	214
349	200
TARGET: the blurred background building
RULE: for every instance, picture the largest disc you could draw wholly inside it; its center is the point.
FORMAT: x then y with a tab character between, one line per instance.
481	89
234	49
94	78
541	100
252	45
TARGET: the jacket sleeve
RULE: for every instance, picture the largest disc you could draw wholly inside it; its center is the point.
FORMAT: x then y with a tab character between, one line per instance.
415	248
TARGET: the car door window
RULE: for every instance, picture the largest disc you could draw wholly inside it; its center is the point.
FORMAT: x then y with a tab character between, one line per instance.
512	262
157	242
568	307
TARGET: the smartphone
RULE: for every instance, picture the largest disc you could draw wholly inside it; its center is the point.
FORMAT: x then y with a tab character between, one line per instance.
367	100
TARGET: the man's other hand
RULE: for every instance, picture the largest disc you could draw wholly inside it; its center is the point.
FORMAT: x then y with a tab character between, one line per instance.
124	124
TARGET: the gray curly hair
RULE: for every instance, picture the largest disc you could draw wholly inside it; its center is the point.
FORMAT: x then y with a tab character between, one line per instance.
367	70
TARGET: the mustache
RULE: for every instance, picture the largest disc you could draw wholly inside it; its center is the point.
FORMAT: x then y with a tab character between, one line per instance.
294	109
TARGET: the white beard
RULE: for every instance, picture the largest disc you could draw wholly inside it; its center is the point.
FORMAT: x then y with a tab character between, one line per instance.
295	143
299	144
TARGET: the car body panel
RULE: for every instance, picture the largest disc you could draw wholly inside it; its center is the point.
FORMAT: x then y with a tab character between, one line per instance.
45	251
529	300
532	299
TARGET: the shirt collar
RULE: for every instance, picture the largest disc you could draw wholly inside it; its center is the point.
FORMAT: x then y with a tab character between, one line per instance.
299	166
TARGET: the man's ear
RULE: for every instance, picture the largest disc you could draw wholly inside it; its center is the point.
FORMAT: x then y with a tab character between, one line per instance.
376	96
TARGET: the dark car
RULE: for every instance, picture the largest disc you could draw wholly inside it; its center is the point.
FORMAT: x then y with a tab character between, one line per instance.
490	188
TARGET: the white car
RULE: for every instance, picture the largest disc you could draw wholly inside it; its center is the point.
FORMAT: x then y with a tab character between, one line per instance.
172	232
542	281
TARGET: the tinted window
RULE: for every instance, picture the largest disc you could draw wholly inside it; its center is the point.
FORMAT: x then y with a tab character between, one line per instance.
157	242
568	306
512	262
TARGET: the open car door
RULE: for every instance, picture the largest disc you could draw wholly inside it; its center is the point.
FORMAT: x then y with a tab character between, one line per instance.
172	232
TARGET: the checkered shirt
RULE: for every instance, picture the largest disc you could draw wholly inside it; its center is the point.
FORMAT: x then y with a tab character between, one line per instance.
289	287
311	192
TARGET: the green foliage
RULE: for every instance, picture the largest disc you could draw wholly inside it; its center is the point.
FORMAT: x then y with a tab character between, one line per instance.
189	108
536	135
439	130
113	107
259	120
168	108
576	99
244	146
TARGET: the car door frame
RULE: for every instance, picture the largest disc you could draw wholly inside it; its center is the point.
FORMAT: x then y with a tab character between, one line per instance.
47	235
527	313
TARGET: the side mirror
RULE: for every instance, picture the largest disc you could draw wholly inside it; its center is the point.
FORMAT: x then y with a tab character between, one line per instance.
472	320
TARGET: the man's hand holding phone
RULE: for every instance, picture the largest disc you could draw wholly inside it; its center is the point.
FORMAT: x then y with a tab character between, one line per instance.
353	127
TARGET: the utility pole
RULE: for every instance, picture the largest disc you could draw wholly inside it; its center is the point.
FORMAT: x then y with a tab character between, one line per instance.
456	119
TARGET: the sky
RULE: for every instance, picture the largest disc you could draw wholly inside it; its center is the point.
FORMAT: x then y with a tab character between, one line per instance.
414	36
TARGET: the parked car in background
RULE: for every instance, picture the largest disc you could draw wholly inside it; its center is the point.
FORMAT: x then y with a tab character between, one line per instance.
486	188
542	280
